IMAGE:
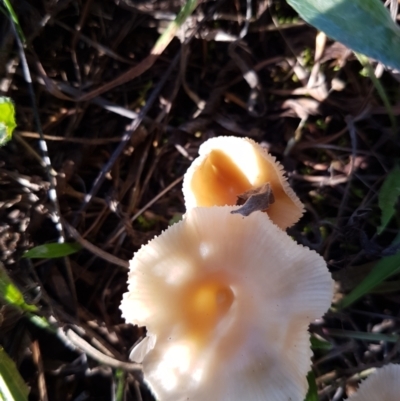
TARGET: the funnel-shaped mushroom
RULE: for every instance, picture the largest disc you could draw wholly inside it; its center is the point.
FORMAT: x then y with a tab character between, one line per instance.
382	385
229	167
227	301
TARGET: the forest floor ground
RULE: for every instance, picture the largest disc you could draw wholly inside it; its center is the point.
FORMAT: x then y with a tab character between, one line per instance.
311	105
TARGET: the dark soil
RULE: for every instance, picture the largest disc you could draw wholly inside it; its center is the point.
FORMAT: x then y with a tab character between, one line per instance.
334	138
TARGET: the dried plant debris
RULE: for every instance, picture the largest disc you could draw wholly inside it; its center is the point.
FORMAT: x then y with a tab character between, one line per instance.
258	199
233	70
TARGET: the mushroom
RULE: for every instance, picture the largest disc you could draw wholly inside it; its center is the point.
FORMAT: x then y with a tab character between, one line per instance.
227	301
228	169
382	385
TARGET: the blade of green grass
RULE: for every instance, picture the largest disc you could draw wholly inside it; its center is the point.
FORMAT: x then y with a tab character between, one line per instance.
359	335
388	197
7	119
175	219
312	393
185	12
324	345
364	26
11	295
379	88
385	268
42	323
120	388
12	386
387	288
14	17
52	250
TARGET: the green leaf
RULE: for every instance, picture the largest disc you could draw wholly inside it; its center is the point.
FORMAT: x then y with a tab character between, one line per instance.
42	323
120	387
175	219
14	17
312	393
388	196
364	61
360	335
385	268
10	294
173	26
52	250
365	26
12	386
7	119
319	344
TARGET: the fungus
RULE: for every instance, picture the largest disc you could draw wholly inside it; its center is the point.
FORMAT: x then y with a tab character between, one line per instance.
227	301
382	385
229	168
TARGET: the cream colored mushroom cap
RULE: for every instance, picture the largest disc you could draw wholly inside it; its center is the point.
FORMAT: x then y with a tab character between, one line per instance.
227	300
229	166
382	385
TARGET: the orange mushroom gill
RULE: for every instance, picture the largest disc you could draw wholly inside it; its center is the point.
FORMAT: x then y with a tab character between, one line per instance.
218	180
205	304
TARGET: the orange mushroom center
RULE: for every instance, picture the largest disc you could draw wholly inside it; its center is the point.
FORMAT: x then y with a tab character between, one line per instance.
218	181
205	305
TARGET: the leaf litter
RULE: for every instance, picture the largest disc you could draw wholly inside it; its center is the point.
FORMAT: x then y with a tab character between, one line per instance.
318	114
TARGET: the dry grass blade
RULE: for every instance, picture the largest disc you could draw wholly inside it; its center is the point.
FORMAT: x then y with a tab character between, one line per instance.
145	64
94	249
131	128
99	356
120	158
